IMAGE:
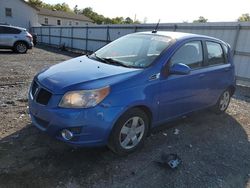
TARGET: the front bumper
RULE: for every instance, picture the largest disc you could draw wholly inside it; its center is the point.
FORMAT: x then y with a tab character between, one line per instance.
90	127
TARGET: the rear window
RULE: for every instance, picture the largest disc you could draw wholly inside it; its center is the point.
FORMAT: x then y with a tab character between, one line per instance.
215	53
9	30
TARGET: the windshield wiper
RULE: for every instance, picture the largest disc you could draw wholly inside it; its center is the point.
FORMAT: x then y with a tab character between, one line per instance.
113	61
98	58
109	60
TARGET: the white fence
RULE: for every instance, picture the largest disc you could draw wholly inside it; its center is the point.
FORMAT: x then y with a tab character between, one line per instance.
91	38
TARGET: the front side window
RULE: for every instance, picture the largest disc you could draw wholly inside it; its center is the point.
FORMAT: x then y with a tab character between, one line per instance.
136	50
215	53
189	54
58	22
8	12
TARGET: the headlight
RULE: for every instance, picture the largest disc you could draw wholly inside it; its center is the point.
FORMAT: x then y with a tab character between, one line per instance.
84	98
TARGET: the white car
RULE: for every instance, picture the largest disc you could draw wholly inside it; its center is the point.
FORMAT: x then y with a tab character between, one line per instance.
16	38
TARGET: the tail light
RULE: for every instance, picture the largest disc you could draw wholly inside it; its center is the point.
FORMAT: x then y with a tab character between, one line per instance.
29	36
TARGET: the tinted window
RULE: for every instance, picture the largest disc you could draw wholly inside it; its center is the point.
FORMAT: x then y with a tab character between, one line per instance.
215	53
189	54
9	30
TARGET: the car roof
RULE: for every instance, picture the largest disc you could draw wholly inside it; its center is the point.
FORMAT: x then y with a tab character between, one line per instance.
2	25
178	35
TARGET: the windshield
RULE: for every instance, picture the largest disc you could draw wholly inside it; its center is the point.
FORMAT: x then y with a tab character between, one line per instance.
138	51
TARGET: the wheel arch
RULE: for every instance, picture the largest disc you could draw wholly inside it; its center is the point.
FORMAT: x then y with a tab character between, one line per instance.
231	89
112	144
25	42
142	107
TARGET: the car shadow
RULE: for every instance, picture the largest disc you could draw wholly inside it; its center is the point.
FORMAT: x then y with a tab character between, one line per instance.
214	149
7	52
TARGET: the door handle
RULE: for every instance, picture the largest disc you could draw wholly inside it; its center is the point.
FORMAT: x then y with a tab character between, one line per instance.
226	69
154	77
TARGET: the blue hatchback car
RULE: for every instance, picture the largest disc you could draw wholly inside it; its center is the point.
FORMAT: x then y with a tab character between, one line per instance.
116	95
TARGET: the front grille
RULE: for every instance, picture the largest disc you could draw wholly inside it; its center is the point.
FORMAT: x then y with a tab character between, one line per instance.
40	95
43	96
44	124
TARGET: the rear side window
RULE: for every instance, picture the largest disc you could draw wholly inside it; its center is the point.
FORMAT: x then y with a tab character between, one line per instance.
215	53
189	54
9	30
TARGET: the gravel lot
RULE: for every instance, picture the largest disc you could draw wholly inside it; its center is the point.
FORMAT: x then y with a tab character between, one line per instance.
215	149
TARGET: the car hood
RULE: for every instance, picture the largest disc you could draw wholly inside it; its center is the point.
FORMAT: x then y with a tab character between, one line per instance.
72	74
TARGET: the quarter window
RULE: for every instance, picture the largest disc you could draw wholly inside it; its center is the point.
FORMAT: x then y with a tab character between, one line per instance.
189	54
214	53
225	48
8	12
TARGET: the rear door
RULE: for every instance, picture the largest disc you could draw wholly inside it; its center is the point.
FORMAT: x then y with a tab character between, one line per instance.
180	94
217	70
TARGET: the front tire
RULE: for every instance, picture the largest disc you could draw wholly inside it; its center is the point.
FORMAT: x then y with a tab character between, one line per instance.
129	132
223	102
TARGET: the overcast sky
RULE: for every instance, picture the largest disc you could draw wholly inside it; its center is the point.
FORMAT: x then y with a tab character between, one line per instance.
167	11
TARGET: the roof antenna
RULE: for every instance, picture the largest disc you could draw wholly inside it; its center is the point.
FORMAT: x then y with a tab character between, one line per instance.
156	27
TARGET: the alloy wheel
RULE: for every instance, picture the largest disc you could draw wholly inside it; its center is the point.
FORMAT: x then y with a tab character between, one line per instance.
224	101
132	132
21	48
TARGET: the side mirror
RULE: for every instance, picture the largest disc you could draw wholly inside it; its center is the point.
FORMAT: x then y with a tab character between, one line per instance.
180	68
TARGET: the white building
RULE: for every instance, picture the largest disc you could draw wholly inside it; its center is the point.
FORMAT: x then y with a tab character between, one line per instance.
60	18
18	13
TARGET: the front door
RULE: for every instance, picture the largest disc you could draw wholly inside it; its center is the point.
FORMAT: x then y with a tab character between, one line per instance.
180	94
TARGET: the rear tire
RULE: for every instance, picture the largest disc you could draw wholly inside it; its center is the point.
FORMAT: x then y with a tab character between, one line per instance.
223	102
20	47
129	132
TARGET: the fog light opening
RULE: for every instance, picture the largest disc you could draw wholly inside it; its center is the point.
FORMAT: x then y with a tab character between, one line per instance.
66	134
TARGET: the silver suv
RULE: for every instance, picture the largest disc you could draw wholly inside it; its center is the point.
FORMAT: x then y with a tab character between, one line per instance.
16	38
